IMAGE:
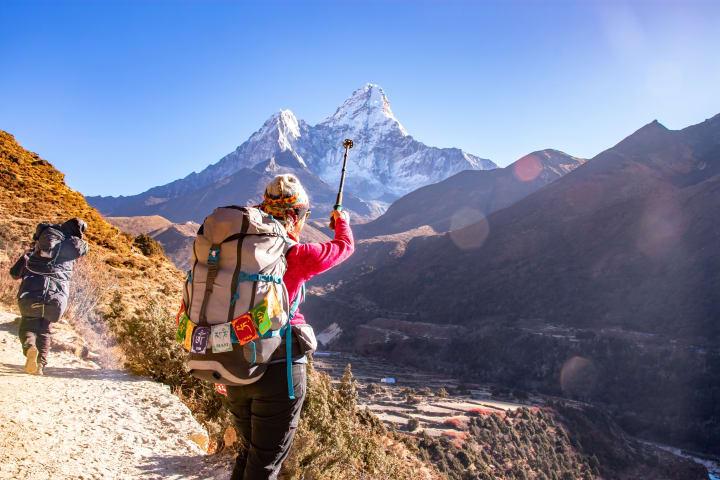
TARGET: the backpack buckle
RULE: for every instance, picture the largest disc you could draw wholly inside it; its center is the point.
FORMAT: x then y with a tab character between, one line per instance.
214	255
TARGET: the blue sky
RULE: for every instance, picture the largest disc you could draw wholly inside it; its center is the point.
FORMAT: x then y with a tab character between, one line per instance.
126	95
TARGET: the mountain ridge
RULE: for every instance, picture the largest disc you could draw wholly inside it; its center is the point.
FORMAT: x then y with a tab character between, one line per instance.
470	195
385	163
646	183
616	265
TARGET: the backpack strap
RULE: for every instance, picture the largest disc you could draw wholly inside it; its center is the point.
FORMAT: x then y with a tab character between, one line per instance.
236	274
287	332
213	267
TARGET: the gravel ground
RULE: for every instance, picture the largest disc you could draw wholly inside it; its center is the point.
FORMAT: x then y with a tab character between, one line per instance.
83	422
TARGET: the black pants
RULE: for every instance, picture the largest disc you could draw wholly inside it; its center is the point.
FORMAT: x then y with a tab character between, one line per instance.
267	420
36	331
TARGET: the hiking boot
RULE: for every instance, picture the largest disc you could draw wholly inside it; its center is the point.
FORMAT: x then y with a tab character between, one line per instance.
31	360
40	370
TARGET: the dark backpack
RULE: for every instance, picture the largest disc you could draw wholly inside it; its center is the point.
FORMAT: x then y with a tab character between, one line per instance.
48	241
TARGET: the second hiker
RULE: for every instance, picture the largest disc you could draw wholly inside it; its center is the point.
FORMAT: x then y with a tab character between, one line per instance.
46	272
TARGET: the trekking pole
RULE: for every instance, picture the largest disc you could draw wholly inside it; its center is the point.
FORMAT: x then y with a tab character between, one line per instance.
348	144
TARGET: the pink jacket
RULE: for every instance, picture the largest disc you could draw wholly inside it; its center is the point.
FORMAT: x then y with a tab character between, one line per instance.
305	260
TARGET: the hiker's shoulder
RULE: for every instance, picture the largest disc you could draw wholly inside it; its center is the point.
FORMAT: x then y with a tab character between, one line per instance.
300	250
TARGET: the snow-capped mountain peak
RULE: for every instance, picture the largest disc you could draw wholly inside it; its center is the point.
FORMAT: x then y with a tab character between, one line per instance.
385	163
283	126
367	108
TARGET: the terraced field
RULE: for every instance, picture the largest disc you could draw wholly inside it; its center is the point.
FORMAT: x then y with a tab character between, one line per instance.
417	401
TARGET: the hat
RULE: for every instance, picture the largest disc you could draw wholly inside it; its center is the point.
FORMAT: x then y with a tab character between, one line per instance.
284	194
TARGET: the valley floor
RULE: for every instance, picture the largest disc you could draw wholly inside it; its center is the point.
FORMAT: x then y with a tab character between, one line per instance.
414	395
83	422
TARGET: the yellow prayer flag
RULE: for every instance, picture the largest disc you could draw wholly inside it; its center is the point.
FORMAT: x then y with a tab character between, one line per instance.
188	336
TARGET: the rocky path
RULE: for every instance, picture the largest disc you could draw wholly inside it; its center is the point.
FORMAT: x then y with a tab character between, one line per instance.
83	422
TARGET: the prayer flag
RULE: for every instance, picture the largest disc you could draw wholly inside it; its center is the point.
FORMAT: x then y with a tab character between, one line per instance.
221	339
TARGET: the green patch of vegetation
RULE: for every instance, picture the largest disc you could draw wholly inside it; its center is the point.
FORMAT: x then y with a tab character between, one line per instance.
148	245
518	445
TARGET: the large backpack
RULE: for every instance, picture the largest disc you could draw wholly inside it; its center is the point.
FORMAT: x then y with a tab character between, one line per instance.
236	310
41	277
48	242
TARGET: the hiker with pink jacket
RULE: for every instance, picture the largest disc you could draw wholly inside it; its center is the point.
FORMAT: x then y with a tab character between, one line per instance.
264	415
240	319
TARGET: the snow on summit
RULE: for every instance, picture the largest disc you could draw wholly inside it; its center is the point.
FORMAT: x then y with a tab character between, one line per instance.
367	107
386	162
283	125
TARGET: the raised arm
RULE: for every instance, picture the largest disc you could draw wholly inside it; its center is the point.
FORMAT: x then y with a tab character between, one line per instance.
314	258
18	268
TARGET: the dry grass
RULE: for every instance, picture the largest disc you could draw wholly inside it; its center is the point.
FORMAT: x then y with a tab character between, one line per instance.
8	286
91	283
32	191
338	441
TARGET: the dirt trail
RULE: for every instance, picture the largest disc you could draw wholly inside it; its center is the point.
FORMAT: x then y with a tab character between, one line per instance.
83	422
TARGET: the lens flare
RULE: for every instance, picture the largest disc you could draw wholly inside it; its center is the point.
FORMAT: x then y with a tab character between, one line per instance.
661	228
527	168
469	229
578	376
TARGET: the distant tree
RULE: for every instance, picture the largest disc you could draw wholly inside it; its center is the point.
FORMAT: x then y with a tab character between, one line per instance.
374	389
348	389
413	424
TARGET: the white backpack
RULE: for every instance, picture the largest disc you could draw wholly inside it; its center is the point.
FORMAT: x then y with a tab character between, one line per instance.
236	311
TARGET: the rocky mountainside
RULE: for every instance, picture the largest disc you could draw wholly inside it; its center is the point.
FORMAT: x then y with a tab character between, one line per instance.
143	291
175	238
629	240
140	224
470	195
386	162
616	263
450	204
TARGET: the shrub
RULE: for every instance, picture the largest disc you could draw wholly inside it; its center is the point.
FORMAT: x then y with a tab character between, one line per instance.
455	422
338	441
413	424
148	245
89	287
8	286
348	389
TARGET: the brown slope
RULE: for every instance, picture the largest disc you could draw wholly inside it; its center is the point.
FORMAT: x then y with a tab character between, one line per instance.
370	254
311	234
177	241
628	240
616	266
470	195
139	224
32	190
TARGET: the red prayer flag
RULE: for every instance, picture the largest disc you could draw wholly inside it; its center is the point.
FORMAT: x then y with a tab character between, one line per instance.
245	329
